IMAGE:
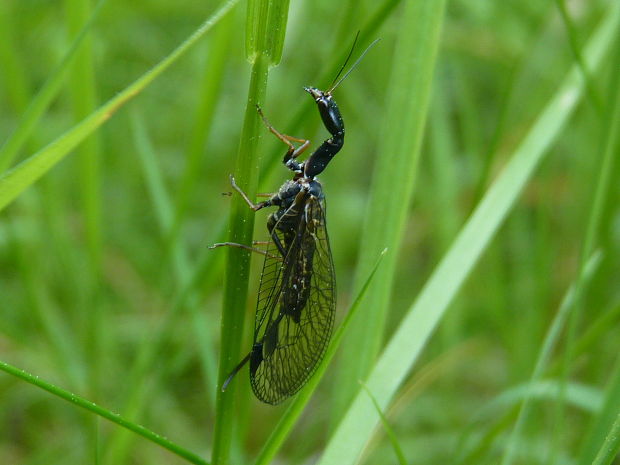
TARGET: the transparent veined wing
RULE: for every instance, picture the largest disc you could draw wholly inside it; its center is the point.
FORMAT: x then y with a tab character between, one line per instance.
296	304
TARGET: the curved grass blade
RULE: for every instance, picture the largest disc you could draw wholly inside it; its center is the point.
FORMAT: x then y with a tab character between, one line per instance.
546	350
398	450
523	395
44	97
102	412
611	446
15	181
405	346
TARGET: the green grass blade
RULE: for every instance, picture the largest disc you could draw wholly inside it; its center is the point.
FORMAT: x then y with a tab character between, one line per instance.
263	35
544	355
160	199
212	82
602	423
82	87
416	327
15	181
83	92
398	450
188	277
237	266
13	73
497	415
585	398
571	31
44	97
392	187
602	194
611	446
278	16
265	29
102	412
136	396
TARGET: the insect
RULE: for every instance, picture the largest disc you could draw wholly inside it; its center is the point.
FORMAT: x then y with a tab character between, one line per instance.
297	294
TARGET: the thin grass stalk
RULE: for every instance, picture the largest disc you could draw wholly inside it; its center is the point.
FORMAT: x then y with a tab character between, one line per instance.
265	31
611	446
14	76
83	92
392	186
603	422
445	190
398	450
593	94
238	265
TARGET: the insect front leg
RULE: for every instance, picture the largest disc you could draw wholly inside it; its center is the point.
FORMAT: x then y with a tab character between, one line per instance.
255	207
293	152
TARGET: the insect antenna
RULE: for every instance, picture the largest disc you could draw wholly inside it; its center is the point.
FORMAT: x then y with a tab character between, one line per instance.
332	86
336	83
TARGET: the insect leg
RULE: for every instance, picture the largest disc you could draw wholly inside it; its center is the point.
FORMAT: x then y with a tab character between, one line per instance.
252	205
292	152
243	246
258	194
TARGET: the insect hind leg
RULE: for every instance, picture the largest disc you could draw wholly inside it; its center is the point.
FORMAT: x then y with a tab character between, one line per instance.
245	247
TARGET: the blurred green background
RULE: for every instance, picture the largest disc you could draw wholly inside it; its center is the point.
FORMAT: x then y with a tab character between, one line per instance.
107	288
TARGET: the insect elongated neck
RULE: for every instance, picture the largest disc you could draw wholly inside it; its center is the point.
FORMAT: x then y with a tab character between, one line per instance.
330	114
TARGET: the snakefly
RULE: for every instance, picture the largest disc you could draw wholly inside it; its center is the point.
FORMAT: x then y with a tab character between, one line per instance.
297	294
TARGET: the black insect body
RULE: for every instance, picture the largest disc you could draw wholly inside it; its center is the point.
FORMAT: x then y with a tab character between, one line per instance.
296	298
297	294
